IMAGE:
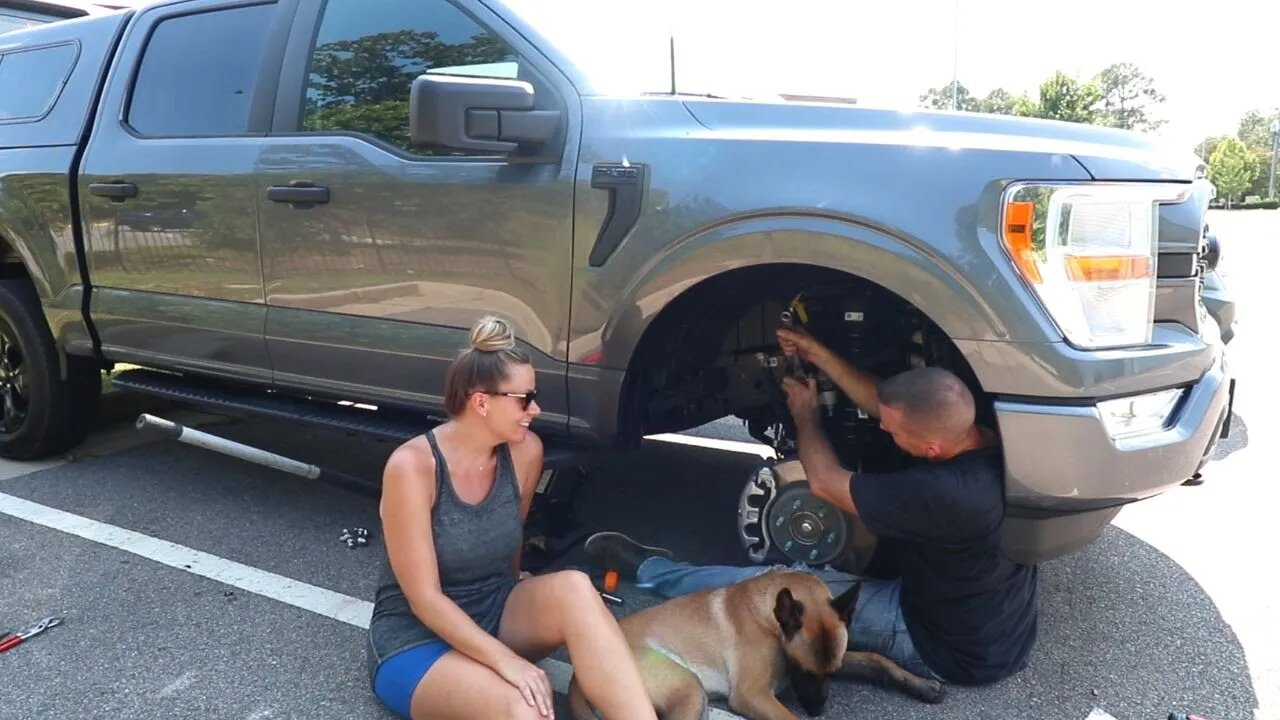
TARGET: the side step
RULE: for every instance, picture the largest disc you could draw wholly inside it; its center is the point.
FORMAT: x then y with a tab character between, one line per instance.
386	423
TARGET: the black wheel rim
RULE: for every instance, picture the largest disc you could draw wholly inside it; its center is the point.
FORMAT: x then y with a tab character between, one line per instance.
13	382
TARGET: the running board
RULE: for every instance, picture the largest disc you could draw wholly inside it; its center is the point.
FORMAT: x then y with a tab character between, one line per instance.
387	423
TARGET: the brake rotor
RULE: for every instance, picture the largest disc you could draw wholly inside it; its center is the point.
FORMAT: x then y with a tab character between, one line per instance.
805	528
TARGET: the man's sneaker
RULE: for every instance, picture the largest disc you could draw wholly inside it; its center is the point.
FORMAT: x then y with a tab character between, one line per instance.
615	551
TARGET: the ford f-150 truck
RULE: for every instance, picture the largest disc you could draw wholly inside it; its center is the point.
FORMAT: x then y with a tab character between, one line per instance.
300	206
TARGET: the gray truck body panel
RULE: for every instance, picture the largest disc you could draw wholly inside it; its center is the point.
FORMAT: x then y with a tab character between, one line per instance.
368	296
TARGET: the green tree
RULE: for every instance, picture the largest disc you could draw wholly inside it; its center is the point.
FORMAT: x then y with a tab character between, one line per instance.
1255	128
1209	146
940	98
1001	102
1063	98
997	102
1232	169
1128	96
1255	133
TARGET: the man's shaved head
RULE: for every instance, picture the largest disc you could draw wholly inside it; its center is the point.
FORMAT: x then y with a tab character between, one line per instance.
933	404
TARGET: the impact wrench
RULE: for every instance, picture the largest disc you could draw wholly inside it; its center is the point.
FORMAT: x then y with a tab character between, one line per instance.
13	641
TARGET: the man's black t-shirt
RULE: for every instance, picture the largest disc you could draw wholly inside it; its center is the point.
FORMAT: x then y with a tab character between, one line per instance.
970	610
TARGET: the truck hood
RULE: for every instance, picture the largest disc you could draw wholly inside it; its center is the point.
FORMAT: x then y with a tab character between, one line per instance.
1106	153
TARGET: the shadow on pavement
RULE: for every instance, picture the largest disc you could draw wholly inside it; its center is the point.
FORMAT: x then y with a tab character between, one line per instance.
1123	627
1236	441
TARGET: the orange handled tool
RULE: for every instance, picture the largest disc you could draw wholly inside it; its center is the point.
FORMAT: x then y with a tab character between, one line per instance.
16	639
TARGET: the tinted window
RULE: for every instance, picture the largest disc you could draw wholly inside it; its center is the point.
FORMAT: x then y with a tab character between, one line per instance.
367	55
14	19
30	80
198	73
14	22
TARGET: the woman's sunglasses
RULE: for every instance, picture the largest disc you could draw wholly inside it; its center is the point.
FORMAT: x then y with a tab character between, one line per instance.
526	398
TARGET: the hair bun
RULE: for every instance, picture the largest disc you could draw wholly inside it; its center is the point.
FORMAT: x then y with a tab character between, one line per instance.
492	334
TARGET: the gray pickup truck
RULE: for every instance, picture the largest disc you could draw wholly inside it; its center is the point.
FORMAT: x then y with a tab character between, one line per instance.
299	207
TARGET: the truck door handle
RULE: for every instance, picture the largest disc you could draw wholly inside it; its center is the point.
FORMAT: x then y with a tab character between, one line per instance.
116	191
298	194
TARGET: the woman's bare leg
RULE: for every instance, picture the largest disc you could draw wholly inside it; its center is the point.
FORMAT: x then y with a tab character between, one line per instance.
459	688
563	608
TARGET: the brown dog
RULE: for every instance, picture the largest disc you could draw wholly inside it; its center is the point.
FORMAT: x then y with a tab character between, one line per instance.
745	643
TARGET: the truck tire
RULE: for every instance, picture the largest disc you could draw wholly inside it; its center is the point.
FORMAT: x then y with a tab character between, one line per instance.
41	413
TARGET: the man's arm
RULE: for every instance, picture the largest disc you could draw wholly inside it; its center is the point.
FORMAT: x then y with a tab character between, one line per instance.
859	385
827	479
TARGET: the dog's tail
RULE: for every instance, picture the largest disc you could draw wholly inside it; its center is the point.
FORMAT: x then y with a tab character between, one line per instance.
578	705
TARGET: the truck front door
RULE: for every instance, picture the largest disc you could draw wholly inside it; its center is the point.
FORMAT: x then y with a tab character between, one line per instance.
167	187
378	255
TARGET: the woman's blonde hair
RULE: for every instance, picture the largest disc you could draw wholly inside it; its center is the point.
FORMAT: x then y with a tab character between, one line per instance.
483	365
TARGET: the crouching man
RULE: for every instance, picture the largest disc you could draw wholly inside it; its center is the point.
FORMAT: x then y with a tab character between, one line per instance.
959	610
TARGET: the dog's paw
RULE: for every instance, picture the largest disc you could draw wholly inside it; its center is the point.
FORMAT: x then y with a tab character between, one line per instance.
930	691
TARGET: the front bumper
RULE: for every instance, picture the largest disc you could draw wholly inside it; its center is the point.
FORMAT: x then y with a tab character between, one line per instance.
1061	456
1066	477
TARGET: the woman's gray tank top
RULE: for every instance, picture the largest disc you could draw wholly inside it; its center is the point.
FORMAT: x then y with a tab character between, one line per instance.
475	546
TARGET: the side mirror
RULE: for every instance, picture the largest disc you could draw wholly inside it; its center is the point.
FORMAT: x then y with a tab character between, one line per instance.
483	114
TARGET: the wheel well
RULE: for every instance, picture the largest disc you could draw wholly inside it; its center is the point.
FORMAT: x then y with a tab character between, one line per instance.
698	360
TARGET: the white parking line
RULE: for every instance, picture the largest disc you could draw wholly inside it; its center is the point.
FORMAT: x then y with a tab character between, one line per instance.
312	598
277	587
738	446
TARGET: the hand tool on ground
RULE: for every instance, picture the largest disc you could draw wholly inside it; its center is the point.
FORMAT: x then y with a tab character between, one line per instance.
22	636
605	582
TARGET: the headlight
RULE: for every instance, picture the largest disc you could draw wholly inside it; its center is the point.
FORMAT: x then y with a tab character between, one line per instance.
1139	414
1089	253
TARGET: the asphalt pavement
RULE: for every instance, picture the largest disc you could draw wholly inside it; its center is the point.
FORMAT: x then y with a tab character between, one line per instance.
217	588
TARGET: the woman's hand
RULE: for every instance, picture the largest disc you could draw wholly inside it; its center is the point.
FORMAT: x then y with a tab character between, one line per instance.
531	681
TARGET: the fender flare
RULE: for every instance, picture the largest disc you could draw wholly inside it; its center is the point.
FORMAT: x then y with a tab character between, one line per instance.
14	246
908	268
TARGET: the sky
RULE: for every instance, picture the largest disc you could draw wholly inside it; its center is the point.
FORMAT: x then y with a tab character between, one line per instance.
1207	59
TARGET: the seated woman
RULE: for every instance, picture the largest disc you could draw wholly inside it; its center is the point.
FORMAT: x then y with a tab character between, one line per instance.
456	626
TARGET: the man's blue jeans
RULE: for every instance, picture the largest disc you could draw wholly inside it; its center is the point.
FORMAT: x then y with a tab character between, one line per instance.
877	624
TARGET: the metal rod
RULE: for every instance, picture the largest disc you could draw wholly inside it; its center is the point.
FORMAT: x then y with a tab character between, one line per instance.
1275	145
248	453
217	444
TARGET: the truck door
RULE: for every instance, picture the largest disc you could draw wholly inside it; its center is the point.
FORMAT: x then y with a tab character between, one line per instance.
167	188
378	255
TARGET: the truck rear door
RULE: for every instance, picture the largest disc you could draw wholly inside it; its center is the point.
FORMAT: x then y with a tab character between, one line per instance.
167	189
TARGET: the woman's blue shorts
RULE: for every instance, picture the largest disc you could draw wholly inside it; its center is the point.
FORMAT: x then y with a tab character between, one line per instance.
398	676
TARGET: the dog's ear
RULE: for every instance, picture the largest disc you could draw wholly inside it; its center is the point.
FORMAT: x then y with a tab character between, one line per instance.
790	613
845	604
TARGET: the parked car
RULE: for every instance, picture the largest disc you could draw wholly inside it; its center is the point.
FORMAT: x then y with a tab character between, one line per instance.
299	207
